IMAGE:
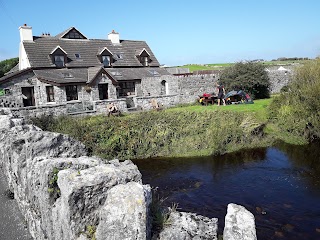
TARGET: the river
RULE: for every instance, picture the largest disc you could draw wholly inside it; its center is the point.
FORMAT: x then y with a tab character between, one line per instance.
280	185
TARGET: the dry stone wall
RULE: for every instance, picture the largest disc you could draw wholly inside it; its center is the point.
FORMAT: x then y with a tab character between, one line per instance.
59	189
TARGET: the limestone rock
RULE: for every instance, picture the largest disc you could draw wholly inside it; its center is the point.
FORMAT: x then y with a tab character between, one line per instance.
239	224
189	226
125	213
84	192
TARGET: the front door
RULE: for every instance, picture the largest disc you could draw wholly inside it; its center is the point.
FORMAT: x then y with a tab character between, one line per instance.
28	96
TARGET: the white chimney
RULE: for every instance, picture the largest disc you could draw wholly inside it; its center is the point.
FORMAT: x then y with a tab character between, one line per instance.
114	37
25	35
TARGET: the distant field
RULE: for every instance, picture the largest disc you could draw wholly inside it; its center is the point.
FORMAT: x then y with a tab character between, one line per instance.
220	66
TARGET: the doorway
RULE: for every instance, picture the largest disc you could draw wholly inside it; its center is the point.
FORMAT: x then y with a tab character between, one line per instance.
28	96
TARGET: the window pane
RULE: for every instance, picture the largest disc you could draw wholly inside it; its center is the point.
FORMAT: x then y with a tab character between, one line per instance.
106	61
103	91
50	93
126	89
59	60
72	92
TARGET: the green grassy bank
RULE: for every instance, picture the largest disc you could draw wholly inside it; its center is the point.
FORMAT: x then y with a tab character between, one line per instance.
193	130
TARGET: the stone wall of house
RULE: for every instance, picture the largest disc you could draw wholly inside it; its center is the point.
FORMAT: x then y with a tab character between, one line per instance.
162	100
101	105
29	112
13	97
179	89
94	93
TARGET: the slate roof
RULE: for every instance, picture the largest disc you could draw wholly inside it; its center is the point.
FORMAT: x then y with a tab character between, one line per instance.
38	51
121	74
86	75
62	76
85	69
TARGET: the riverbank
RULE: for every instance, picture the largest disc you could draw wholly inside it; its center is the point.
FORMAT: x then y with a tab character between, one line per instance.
192	130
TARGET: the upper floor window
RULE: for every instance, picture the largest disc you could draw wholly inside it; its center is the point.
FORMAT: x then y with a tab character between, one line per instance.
59	60
106	61
145	61
58	57
144	57
74	34
105	57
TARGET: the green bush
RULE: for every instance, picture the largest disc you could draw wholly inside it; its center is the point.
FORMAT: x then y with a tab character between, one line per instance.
298	109
7	65
249	77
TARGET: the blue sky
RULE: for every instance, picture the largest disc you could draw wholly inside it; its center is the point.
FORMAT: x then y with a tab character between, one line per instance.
178	32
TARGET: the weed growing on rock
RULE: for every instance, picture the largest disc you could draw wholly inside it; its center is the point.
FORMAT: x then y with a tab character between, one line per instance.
159	213
53	187
91	232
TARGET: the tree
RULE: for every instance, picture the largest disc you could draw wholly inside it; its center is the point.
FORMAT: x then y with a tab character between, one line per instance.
7	65
249	77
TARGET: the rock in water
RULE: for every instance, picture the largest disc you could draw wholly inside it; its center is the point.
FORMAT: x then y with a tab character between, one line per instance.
239	224
189	226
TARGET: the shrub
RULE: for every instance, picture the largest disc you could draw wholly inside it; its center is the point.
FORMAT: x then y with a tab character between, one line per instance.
249	77
298	109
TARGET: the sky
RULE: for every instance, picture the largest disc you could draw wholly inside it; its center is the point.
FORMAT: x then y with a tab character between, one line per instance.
178	32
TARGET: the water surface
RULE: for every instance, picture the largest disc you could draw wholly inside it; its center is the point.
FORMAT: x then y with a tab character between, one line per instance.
279	185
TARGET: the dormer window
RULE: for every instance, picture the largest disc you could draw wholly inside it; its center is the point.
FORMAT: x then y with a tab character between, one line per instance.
144	57
58	57
105	57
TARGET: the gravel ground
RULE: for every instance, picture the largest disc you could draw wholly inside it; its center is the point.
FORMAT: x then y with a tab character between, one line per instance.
12	224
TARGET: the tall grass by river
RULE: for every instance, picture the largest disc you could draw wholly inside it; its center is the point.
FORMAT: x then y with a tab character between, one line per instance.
192	130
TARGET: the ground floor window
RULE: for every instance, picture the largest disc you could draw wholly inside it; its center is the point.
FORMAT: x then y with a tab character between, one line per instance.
103	91
50	93
72	92
126	89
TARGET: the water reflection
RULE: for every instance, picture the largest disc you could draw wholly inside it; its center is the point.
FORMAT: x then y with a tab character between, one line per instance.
279	185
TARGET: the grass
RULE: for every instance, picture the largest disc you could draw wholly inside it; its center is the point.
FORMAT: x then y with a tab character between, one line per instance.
181	131
259	108
221	66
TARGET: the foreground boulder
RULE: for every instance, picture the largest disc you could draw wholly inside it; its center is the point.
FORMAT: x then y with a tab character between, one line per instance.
126	209
239	224
189	226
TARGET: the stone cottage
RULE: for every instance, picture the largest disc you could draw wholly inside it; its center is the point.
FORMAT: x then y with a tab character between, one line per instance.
71	74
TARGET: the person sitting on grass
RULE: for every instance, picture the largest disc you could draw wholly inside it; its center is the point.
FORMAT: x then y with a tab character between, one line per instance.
112	109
